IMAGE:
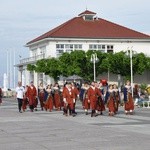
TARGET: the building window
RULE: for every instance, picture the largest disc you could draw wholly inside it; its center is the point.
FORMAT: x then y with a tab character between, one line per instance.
78	46
34	52
59	46
69	46
59	52
69	50
97	47
103	47
93	47
88	17
59	49
42	50
110	48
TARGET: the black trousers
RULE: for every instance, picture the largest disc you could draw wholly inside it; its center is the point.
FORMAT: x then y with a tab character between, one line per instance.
19	103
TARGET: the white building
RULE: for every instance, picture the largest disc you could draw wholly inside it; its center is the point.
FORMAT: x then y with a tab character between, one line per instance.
84	32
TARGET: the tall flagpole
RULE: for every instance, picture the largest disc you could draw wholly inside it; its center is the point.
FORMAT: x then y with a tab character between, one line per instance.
7	70
14	71
10	71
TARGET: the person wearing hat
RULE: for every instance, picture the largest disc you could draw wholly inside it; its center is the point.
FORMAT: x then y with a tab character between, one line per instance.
93	93
69	99
76	92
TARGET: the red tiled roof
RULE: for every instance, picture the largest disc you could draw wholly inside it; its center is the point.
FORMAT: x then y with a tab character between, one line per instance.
97	28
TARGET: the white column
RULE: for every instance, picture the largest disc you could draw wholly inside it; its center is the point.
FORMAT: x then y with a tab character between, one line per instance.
35	79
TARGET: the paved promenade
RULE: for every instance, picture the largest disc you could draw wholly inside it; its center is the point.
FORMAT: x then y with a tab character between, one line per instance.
52	131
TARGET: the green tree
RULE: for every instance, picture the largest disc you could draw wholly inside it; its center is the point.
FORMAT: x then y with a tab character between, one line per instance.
119	63
31	67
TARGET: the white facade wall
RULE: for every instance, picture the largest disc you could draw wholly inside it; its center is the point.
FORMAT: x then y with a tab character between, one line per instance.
118	45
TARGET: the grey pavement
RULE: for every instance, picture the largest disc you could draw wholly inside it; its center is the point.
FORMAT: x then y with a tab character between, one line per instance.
43	130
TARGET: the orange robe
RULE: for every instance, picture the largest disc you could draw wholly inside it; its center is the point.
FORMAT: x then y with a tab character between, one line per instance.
32	94
129	104
25	102
117	99
41	95
69	96
85	99
49	101
57	99
93	94
0	95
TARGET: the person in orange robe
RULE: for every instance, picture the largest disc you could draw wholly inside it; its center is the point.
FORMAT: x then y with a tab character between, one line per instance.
69	99
25	100
41	92
76	92
116	96
32	97
1	93
48	98
57	96
128	99
93	93
85	98
110	100
100	103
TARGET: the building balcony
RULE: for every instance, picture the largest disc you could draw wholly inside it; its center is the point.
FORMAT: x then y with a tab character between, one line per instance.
32	59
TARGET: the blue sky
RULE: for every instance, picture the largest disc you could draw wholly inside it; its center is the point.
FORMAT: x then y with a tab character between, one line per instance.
23	20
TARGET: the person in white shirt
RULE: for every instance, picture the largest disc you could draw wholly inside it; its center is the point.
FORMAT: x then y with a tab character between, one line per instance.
19	95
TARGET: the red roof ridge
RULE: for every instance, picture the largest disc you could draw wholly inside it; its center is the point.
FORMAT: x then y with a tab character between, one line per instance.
87	12
62	25
116	24
51	32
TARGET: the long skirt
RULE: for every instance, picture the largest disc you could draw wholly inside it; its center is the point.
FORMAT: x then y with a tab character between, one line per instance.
111	105
57	101
49	104
86	104
100	105
41	98
129	105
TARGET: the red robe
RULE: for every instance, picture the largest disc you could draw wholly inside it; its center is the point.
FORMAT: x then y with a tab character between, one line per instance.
117	99
57	98
41	95
93	94
49	101
32	94
1	95
129	104
76	92
85	99
25	102
69	96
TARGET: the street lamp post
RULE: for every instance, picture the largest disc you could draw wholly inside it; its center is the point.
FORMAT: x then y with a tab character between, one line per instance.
94	60
131	67
130	53
21	70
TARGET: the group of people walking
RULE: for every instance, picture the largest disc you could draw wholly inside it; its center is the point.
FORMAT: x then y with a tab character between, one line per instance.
95	98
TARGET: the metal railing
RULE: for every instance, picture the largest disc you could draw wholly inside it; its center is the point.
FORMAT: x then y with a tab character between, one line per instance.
32	59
